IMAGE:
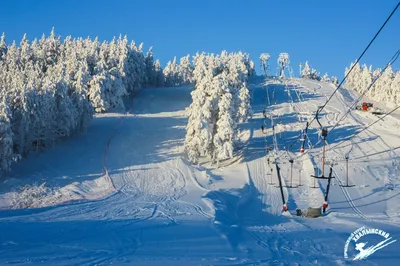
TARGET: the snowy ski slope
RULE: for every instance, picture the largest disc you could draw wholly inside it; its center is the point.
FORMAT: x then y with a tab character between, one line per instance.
127	196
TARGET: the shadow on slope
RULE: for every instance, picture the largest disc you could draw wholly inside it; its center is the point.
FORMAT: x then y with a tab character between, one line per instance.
158	100
279	95
237	209
152	137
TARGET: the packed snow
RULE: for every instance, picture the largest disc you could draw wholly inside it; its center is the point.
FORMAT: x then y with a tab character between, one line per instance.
125	192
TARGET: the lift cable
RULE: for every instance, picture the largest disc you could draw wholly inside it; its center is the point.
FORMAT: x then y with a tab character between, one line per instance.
392	60
363	129
357	61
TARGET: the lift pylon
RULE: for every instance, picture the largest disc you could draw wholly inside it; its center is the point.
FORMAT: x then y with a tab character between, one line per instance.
315	172
285	208
347	173
304	138
324	135
291	174
325	203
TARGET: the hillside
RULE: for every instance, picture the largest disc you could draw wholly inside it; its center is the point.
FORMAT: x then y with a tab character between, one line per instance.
124	192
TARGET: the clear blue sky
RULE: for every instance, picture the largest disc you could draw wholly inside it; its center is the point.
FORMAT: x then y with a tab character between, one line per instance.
329	34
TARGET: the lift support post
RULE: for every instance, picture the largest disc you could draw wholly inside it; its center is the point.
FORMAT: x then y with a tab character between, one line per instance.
280	183
325	205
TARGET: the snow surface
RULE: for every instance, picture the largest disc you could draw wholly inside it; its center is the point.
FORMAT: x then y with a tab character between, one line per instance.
123	193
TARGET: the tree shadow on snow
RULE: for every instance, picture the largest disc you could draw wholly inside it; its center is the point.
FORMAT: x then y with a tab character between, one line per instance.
160	100
278	95
146	140
237	209
135	140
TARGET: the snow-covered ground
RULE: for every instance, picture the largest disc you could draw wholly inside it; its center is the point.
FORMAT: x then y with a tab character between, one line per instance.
123	193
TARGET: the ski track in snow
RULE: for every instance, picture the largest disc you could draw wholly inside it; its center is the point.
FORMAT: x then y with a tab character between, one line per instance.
165	211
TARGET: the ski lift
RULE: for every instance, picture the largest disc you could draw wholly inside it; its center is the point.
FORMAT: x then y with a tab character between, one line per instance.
324	134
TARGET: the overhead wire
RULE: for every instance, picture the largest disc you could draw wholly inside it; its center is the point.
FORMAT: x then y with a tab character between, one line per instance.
357	61
391	61
376	153
351	69
359	132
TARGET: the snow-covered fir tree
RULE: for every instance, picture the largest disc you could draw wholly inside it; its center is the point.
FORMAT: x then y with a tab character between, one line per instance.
3	45
150	68
185	70
50	88
334	80
7	155
220	101
225	128
385	88
158	74
325	78
171	74
306	71
395	88
312	73
244	110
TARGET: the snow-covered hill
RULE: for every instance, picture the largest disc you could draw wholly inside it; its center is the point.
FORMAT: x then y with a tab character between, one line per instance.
141	203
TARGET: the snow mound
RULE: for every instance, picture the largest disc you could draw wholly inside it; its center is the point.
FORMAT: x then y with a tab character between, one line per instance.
37	196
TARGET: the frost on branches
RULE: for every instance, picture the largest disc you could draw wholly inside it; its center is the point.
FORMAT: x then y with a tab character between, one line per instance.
225	127
221	100
178	74
264	57
283	63
311	73
385	89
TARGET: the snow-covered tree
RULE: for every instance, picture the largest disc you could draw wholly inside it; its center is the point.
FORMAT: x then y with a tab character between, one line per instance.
325	78
354	77
283	63
225	127
381	89
385	88
306	72
395	88
200	127
364	81
185	70
158	74
315	74
264	57
244	106
3	45
7	155
50	88
335	80
150	71
311	73
171	73
220	101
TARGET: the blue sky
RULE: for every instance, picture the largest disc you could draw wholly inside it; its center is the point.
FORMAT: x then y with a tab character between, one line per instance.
329	34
